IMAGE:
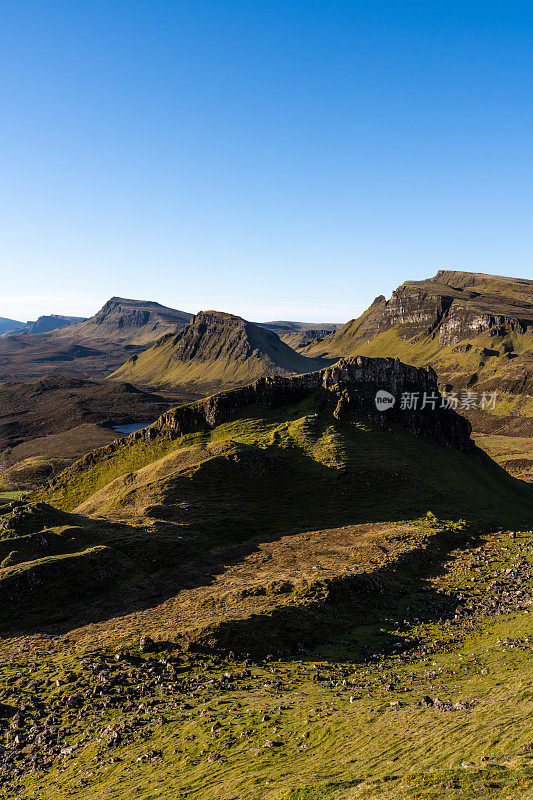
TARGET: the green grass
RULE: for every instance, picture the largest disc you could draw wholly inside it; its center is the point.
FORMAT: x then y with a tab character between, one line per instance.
497	372
339	473
231	354
282	532
324	745
515	453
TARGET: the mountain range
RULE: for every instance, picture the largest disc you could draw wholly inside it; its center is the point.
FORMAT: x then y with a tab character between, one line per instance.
9	324
472	328
44	324
91	348
94	347
475	330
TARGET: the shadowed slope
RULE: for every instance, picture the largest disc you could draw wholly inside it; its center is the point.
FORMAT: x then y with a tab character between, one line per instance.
307	437
244	537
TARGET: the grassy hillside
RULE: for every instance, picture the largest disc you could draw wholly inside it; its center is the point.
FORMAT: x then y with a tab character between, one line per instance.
282	606
338	472
215	351
416	686
47	423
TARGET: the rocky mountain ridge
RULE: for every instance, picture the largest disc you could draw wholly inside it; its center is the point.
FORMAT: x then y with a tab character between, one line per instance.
131	321
348	388
7	324
452	306
44	324
475	330
92	348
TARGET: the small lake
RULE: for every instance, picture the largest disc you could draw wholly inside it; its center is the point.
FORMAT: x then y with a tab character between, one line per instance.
131	428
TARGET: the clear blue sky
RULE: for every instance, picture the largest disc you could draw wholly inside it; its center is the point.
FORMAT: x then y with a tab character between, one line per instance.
275	159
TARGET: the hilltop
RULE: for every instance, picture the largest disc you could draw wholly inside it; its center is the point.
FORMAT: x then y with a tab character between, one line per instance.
134	322
9	324
335	411
447	321
217	350
91	348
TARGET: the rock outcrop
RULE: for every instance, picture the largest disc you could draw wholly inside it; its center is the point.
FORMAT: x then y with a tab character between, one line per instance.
475	330
348	388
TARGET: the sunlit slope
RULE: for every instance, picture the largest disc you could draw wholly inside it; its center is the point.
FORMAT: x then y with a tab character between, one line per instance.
472	328
215	351
289	467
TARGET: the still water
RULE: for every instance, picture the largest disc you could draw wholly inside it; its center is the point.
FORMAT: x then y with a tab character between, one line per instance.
131	428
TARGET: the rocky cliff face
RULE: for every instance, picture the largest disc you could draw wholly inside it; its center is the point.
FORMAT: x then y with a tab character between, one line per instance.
51	322
475	330
453	307
348	387
213	334
122	319
462	323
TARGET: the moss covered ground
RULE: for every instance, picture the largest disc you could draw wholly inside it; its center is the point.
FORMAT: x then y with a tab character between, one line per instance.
408	700
337	612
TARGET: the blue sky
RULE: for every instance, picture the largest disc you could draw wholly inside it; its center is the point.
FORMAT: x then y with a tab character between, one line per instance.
274	159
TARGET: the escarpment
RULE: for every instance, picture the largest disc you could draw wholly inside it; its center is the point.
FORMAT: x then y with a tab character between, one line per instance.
475	330
348	389
450	307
